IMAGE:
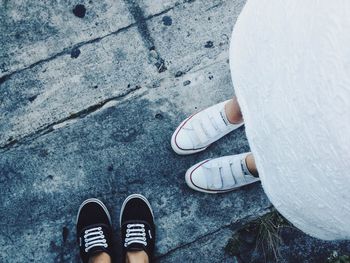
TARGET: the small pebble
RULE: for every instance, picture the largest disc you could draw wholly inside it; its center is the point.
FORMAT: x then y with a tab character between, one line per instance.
178	74
65	232
187	82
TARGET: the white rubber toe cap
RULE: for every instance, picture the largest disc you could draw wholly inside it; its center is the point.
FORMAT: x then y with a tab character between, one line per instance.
181	143
195	179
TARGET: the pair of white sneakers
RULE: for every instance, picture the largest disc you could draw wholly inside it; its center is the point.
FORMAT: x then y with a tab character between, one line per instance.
194	135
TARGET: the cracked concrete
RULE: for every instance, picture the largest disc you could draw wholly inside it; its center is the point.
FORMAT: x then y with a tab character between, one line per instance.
88	104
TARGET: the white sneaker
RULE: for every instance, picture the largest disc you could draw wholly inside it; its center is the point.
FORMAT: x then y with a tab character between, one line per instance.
220	175
201	129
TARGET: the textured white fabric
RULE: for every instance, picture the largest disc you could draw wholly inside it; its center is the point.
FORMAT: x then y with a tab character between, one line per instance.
290	65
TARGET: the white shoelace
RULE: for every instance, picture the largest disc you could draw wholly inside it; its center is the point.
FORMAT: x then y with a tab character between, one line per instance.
135	233
94	237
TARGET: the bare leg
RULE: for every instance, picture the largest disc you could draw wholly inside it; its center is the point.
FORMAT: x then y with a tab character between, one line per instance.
136	257
100	258
233	111
249	160
234	115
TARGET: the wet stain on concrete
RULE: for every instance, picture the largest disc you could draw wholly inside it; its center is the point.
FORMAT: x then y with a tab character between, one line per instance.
79	11
167	20
139	16
75	53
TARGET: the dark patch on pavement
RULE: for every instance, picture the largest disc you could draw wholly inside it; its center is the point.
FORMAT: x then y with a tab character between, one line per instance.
141	22
3	79
209	44
179	74
79	11
110	168
159	116
167	20
3	68
50	177
32	98
140	19
65	233
187	82
75	53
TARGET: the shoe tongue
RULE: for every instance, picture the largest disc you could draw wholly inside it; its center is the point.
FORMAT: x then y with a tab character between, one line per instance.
136	247
98	249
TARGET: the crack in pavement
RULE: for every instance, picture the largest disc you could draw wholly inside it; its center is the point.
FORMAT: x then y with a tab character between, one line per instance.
90	109
78	115
239	224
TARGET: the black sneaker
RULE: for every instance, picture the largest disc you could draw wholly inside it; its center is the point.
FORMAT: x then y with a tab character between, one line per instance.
137	226
94	229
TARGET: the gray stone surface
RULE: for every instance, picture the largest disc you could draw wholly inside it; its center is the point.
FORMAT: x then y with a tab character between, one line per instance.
87	109
120	149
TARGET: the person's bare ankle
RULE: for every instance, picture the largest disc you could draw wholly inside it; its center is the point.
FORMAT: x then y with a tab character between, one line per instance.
250	163
137	257
100	258
233	112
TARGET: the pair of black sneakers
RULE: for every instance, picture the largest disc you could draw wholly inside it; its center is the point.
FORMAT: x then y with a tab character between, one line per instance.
94	228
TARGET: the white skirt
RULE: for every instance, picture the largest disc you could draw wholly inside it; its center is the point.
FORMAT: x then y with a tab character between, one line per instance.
290	65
